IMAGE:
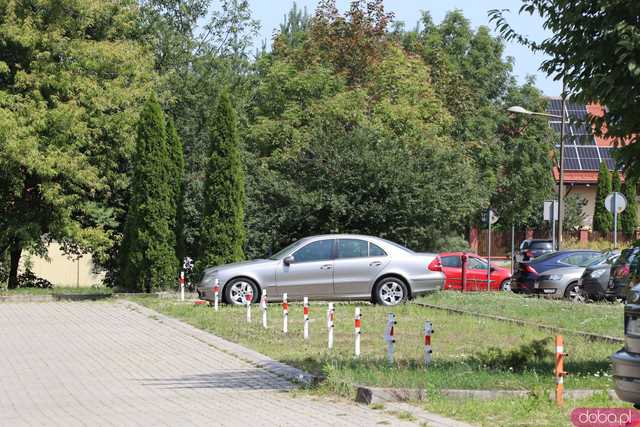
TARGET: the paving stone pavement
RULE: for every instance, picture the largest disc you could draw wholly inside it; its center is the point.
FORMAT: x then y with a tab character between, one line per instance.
99	363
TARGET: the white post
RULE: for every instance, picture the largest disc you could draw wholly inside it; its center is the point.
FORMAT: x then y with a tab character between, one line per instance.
330	321
182	286
357	324
389	337
306	318
615	222
216	292
263	307
285	314
248	297
428	330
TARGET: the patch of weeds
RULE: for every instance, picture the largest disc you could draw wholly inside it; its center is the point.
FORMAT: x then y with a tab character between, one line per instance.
402	415
376	406
517	359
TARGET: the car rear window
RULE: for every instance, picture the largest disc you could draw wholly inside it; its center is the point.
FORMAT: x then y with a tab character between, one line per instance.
541	245
544	257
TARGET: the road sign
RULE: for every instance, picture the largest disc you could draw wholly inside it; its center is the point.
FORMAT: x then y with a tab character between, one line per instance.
615	201
550	210
489	214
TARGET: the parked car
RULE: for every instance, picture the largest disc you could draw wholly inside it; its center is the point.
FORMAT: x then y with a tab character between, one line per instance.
626	361
554	274
343	266
622	274
594	280
533	248
476	272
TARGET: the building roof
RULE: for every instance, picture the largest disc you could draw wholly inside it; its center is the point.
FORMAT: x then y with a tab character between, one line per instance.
583	151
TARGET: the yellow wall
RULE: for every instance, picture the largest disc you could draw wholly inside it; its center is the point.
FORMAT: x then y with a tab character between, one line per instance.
588	193
61	270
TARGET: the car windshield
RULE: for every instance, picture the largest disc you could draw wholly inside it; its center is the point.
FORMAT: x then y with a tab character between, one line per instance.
598	260
282	252
541	245
544	257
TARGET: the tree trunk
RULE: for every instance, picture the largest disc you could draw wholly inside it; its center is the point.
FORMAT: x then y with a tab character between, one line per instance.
16	252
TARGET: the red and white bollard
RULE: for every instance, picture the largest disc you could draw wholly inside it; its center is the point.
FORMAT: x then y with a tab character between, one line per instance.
357	325
263	307
428	330
248	298
216	293
285	313
389	336
330	322
182	286
305	311
559	371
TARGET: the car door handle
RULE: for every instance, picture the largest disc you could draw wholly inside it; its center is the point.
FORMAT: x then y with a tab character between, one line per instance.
326	267
375	264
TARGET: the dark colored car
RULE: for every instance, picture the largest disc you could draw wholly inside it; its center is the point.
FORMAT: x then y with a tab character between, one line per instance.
533	248
626	361
624	273
594	280
554	274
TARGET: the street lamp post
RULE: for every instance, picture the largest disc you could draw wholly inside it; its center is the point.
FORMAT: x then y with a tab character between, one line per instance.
520	110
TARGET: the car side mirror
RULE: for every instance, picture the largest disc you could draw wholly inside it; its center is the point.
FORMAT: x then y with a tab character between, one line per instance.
288	260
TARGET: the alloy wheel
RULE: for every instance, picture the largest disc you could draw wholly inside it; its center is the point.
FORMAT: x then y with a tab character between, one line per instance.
238	292
391	293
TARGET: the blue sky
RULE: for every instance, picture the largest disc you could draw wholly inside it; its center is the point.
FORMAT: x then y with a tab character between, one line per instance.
270	14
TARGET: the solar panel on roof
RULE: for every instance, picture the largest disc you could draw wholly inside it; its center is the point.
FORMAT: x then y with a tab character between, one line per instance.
571	164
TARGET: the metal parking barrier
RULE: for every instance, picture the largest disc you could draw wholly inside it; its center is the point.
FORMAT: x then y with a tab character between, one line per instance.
389	337
216	292
357	325
330	325
263	307
305	313
285	314
428	331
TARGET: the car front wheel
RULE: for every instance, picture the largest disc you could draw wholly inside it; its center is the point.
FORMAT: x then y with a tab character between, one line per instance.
391	291
237	290
574	292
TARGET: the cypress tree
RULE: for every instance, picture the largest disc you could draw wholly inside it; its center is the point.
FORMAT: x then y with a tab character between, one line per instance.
629	217
176	168
602	218
147	256
222	234
616	185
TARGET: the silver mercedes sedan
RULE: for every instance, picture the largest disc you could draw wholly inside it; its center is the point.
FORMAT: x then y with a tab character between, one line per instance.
335	266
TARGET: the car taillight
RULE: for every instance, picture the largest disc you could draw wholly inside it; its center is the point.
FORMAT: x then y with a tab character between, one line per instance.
529	254
435	265
529	269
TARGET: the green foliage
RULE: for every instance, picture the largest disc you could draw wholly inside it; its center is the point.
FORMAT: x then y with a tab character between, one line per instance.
176	172
602	218
222	235
616	184
604	70
72	75
147	254
629	216
199	47
574	214
518	359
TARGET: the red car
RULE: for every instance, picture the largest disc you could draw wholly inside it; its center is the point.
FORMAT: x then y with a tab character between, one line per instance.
476	273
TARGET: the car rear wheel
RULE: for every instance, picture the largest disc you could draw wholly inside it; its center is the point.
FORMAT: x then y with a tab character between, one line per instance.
506	285
237	289
391	291
574	292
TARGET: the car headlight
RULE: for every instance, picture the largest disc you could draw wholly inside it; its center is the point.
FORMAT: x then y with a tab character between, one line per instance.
634	297
552	277
597	273
208	278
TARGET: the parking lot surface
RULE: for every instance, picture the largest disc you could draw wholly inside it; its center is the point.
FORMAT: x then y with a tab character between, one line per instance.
100	363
